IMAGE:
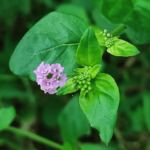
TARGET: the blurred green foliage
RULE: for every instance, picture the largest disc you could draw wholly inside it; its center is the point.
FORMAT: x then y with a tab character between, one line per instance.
39	113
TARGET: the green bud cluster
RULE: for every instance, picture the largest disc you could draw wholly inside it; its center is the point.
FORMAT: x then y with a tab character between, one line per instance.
82	81
109	41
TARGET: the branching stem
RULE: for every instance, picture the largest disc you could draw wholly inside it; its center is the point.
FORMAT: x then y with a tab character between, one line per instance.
118	30
34	137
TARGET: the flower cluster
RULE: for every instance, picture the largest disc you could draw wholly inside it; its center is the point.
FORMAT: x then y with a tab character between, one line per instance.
108	38
82	81
49	77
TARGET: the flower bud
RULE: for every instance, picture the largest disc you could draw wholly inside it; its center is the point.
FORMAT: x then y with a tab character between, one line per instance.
88	83
89	88
82	89
108	34
105	30
79	86
83	82
80	82
85	86
104	34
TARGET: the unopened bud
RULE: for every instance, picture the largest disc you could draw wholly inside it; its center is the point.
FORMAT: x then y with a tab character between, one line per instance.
83	82
104	34
80	82
79	86
108	35
85	86
89	88
82	89
88	83
105	30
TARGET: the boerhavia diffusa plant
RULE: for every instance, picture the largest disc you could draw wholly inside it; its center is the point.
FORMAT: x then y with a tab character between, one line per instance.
65	43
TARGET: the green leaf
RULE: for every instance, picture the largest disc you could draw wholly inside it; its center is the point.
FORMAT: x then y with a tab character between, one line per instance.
123	48
54	39
116	13
74	10
73	122
133	14
7	115
89	53
100	38
101	104
146	109
94	71
80	70
70	87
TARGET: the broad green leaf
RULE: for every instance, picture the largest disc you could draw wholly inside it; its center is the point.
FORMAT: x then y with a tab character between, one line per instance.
116	13
7	115
94	71
89	53
100	38
101	104
123	48
73	122
54	39
133	14
74	10
70	87
146	109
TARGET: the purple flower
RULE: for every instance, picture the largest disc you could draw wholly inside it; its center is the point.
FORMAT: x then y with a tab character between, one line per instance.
49	77
46	83
39	78
43	70
51	90
56	68
59	79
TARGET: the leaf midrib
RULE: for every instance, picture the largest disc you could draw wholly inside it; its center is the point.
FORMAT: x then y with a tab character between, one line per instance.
55	47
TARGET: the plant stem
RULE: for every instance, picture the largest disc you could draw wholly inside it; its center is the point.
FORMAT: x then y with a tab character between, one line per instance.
118	30
34	137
